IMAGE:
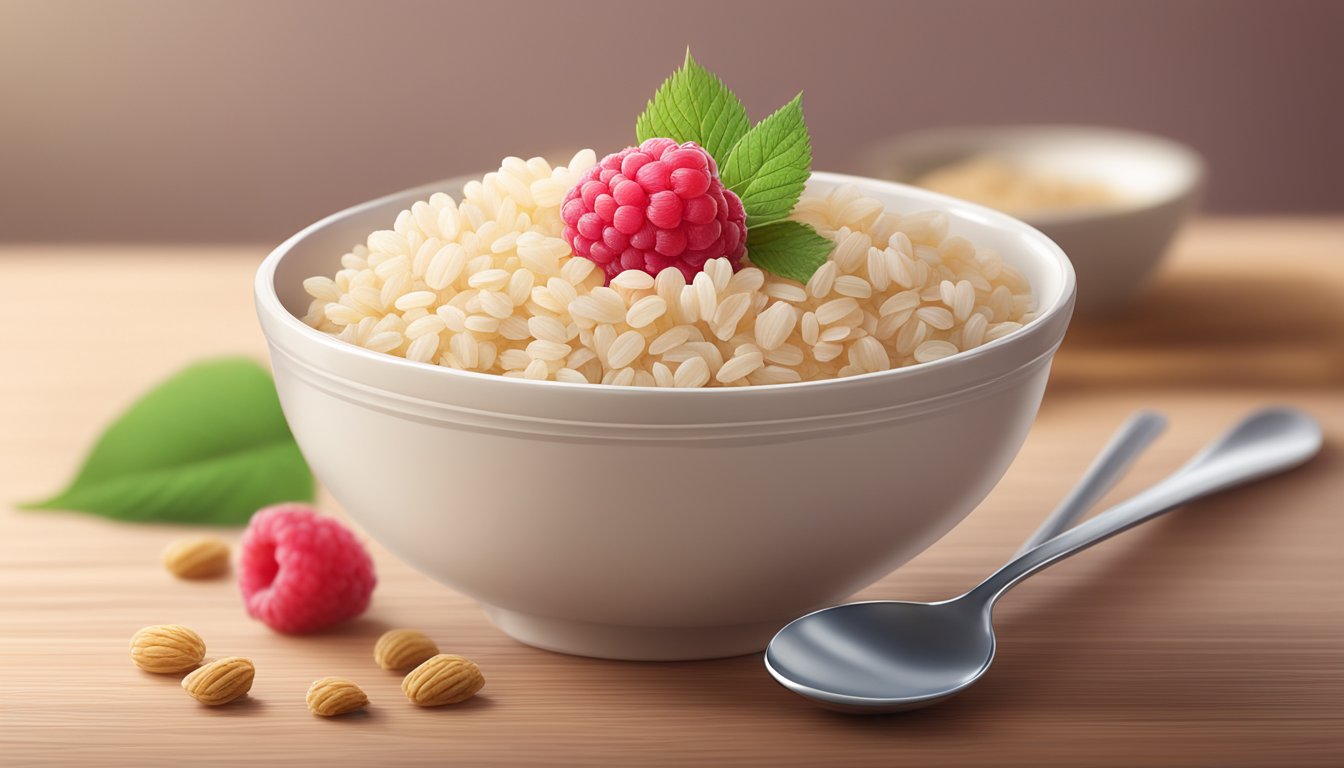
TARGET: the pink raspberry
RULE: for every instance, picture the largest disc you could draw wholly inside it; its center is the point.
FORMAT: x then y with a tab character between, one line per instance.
301	571
657	205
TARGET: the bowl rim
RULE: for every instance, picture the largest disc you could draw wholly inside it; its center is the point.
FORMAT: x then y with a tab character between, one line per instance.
1195	165
268	302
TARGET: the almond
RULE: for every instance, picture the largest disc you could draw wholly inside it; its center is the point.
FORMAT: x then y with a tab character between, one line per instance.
200	558
167	648
333	696
400	649
220	682
443	679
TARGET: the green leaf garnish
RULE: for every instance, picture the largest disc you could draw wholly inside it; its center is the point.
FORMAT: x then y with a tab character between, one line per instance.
789	249
209	446
766	166
770	165
694	105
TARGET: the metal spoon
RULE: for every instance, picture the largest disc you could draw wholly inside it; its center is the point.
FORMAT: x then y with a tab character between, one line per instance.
886	656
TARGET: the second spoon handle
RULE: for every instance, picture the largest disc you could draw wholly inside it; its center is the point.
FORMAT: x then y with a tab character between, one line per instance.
1136	434
1267	442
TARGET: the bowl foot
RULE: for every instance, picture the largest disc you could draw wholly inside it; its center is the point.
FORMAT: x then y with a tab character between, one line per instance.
612	641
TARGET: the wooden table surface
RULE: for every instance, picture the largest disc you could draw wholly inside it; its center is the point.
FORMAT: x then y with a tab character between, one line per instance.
1214	636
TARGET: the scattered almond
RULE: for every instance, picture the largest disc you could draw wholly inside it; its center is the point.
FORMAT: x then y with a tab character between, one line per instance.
400	649
199	558
332	696
167	648
220	682
443	679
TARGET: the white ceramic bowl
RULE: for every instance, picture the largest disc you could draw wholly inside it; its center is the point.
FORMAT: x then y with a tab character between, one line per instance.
656	524
1114	247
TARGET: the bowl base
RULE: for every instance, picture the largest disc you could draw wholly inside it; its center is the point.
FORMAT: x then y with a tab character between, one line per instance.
612	641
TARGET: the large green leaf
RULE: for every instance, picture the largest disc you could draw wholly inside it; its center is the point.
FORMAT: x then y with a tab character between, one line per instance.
210	445
770	165
694	105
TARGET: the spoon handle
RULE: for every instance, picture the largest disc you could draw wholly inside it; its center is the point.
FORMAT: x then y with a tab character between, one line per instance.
1267	442
1130	440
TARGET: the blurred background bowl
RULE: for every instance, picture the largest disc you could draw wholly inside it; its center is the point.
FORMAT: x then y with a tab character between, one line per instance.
1115	246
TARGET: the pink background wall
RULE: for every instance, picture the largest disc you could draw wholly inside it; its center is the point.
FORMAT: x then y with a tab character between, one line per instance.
223	120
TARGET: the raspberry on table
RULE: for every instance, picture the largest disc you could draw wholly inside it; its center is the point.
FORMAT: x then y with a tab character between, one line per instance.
654	206
301	571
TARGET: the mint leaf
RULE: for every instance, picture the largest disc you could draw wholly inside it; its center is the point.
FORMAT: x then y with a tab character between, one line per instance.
769	166
209	446
789	249
766	166
694	105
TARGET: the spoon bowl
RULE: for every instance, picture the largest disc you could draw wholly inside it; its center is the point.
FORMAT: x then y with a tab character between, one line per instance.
883	656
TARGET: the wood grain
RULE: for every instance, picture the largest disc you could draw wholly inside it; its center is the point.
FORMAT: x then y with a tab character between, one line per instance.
1214	636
